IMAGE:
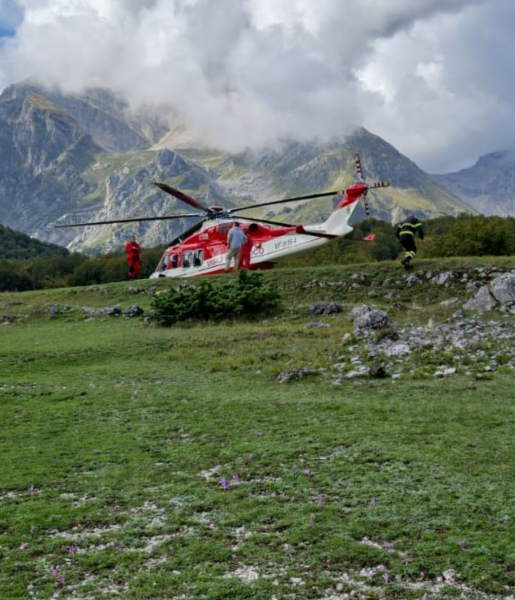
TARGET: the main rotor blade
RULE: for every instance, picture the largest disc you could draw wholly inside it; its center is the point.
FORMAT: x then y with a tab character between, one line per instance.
269	222
182	196
135	220
308	197
187	233
330	236
298	228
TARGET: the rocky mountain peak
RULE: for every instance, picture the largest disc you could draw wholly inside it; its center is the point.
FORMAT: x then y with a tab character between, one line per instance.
89	157
489	185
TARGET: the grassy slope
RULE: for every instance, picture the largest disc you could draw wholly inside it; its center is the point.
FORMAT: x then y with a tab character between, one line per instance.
116	436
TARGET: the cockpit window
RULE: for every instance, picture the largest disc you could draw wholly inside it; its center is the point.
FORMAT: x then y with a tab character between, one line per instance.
168	261
163	265
223	228
198	258
187	259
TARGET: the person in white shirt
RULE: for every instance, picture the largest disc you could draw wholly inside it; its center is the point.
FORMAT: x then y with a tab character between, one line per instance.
235	240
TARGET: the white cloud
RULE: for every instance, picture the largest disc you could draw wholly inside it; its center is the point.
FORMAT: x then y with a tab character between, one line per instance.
433	77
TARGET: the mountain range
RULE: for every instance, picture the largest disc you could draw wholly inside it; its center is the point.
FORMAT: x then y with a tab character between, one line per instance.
488	186
69	158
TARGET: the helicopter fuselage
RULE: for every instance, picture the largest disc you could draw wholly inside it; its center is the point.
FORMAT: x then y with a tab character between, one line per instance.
202	249
204	253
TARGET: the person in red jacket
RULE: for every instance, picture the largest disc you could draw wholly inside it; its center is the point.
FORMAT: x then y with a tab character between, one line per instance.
246	248
133	251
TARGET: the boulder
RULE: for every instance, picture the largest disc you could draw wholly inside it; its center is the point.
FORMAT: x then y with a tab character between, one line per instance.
133	311
324	308
371	319
502	288
481	301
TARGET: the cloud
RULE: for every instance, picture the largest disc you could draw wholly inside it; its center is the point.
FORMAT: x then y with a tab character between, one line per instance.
442	88
432	77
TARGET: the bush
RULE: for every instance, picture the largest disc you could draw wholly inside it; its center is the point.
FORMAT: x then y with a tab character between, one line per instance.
245	296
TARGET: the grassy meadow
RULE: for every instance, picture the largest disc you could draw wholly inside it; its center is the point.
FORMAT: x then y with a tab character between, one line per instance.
148	463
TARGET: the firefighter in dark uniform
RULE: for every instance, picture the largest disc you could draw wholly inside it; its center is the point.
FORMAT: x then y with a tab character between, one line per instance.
405	233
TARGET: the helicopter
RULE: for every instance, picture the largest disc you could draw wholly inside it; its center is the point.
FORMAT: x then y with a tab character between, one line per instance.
202	249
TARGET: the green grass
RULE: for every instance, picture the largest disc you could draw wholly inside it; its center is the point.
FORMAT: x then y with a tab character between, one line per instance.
116	436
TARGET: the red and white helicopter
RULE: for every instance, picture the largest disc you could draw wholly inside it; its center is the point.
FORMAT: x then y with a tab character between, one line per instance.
202	249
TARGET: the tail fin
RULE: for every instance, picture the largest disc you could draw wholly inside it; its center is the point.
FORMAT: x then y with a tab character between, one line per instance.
338	222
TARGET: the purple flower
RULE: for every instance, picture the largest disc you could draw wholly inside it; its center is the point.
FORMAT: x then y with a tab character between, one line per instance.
54	570
306	471
422	575
340	481
249	457
386	577
388	545
119	548
294	467
224	483
236	478
406	561
462	545
320	501
424	597
60	579
373	501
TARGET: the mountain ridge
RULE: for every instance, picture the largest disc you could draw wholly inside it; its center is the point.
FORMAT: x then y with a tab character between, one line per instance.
88	157
489	185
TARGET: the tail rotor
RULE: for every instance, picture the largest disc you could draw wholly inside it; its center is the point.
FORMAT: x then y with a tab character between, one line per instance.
377	184
359	172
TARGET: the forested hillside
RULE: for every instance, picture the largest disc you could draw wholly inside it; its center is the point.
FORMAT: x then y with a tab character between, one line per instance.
14	244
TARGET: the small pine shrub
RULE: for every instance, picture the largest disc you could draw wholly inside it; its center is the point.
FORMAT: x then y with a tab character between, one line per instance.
245	296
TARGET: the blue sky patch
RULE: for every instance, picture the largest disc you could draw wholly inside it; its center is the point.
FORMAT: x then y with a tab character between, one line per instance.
6	31
11	16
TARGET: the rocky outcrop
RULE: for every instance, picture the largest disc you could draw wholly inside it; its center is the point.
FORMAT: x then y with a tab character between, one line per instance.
46	152
465	343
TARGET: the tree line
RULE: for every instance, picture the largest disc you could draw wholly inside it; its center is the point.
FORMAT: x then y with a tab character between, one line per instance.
448	236
34	267
71	270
